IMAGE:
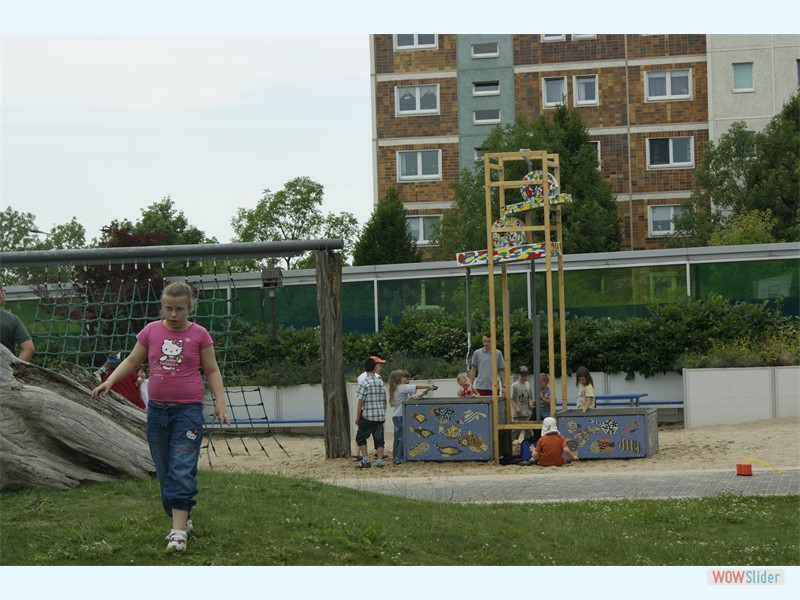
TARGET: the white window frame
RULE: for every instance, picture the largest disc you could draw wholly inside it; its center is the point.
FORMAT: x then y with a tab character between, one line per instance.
422	177
554	37
417	95
653	233
564	97
596	145
480	55
417	45
421	240
492	92
668	77
491	121
672	164
741	90
575	89
584	36
477	154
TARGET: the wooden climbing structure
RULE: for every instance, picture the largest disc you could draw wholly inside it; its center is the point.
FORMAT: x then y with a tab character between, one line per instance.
514	237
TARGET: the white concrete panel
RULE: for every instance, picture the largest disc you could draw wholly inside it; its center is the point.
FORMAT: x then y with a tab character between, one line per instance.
301	402
726	396
787	391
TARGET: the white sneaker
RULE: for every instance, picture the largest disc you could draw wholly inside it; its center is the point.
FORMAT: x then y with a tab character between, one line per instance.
176	540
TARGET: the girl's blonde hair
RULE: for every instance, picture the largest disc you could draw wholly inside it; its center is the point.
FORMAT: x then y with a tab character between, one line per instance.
395	379
461	377
178	289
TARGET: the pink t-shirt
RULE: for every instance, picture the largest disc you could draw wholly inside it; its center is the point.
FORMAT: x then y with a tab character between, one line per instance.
174	360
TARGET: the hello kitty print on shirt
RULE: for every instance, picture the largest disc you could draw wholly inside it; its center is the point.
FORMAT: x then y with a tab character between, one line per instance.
171	354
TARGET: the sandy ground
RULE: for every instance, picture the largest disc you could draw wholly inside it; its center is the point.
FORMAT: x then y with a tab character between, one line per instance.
717	447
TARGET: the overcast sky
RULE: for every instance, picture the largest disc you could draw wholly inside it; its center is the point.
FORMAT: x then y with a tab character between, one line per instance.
99	127
107	107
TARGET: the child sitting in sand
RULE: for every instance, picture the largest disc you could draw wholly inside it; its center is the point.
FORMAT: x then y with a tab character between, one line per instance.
551	447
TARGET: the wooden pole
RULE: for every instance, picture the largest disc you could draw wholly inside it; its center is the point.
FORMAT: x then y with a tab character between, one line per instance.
336	408
551	359
492	327
506	342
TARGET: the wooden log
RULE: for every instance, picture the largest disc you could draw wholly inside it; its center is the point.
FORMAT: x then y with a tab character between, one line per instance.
54	435
329	304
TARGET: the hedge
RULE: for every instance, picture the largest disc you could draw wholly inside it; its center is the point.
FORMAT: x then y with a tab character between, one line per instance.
433	344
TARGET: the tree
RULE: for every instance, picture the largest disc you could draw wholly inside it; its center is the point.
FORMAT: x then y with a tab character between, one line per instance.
749	227
463	226
64	237
386	238
16	230
18	233
344	226
172	225
590	223
744	172
777	171
293	213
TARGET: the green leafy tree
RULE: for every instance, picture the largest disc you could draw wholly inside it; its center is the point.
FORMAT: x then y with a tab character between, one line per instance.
293	213
171	224
386	238
750	227
18	232
162	223
343	225
722	178
590	223
776	182
463	226
66	236
745	173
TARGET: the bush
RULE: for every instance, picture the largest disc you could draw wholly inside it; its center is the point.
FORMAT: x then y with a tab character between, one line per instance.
433	344
780	349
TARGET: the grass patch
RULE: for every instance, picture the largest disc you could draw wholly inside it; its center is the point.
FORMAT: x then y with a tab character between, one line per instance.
248	519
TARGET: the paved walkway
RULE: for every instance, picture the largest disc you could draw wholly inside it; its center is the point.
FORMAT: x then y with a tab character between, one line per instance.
565	487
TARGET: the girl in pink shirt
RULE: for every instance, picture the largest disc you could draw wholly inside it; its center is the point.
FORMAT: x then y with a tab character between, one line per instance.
176	349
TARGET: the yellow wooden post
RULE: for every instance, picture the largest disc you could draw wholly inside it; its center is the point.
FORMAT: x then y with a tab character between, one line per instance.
492	331
552	227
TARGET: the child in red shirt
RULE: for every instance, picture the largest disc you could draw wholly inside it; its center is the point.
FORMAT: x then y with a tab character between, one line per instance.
552	446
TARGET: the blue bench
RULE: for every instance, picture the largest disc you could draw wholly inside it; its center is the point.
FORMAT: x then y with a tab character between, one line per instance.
271	423
632	398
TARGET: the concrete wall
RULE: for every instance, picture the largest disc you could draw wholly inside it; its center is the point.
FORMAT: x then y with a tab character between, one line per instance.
709	396
774	59
731	396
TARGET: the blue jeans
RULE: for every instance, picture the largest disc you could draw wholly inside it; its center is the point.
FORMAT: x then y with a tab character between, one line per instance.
398	451
174	433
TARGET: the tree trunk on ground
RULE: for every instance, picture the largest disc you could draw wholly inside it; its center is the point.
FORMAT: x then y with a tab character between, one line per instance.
329	302
54	435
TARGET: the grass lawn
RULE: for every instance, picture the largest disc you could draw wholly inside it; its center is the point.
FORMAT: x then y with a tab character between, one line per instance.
247	519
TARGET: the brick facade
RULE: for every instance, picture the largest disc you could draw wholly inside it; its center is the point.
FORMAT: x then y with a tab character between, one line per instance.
620	63
387	60
419	191
391	125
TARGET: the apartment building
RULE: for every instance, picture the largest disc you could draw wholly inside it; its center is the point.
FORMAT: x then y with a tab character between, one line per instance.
646	100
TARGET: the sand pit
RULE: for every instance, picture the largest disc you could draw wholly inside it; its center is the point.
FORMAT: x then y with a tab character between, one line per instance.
714	447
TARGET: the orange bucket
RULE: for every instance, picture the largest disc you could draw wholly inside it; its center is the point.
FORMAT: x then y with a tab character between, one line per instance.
744	469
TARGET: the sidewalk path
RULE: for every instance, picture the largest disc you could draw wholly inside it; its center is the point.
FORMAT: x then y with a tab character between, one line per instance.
561	486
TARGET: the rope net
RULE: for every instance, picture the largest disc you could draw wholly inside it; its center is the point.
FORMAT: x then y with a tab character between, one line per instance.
100	312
